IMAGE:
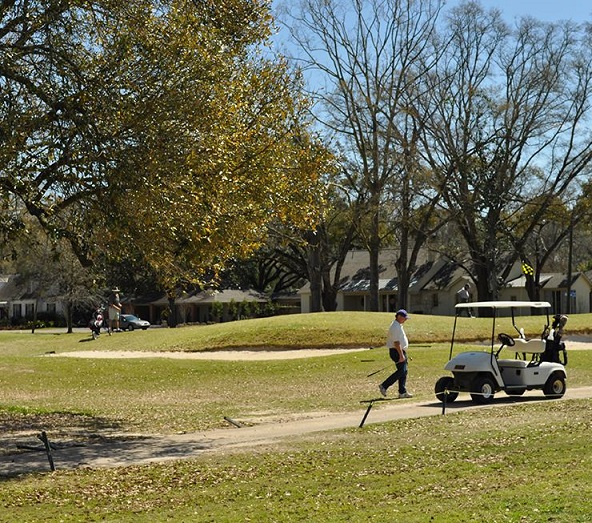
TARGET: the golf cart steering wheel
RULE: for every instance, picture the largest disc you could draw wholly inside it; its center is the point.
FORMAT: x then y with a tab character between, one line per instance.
506	339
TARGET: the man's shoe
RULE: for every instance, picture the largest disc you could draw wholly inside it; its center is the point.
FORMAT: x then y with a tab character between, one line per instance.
405	395
382	390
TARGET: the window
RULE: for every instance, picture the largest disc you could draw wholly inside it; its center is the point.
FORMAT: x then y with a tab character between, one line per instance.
51	308
29	310
16	310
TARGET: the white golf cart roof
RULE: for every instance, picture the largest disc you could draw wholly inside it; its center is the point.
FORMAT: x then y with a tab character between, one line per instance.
504	304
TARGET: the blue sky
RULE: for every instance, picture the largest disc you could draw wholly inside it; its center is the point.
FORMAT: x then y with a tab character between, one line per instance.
547	10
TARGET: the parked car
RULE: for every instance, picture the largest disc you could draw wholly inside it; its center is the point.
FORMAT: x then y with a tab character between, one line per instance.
131	322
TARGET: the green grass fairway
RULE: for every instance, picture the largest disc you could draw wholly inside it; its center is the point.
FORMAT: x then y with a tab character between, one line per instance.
524	463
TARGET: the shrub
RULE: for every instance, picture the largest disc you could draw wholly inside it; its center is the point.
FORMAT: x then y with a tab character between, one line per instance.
216	311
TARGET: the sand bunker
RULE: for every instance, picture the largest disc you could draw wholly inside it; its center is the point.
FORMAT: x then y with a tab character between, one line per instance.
572	343
223	355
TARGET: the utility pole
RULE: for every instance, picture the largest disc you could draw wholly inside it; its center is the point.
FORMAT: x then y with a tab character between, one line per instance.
569	263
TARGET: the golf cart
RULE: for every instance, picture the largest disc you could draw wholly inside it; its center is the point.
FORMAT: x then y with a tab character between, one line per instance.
538	363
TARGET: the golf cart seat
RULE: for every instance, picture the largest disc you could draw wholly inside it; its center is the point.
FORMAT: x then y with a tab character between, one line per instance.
534	346
512	364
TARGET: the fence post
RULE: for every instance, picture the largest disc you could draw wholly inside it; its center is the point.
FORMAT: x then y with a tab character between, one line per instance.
43	438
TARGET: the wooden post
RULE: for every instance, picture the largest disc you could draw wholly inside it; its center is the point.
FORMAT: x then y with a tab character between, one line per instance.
43	438
366	415
444	402
235	423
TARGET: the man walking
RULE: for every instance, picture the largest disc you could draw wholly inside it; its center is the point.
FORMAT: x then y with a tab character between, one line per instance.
397	344
464	296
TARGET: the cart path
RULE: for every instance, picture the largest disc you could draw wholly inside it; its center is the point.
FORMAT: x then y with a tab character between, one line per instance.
143	450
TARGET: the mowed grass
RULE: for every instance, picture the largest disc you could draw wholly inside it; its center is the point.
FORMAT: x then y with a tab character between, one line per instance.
326	330
522	463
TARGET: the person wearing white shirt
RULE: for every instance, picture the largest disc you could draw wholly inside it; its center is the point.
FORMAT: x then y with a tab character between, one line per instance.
397	344
464	296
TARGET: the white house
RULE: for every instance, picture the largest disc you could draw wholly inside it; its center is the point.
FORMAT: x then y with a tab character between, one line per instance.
18	301
554	289
434	285
354	289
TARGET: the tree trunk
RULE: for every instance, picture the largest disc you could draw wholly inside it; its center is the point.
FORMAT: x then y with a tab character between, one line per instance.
329	292
34	317
314	274
172	319
374	251
69	317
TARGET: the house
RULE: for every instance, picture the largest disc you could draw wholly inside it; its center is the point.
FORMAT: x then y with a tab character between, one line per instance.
217	305
434	285
287	302
435	291
437	295
21	301
194	307
554	288
354	287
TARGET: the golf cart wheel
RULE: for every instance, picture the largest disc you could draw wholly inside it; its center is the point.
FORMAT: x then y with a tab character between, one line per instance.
555	386
443	387
483	390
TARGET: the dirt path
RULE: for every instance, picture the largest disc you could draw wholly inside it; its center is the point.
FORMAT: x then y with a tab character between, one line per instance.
142	450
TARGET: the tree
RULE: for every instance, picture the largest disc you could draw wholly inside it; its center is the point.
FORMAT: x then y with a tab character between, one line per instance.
318	254
238	157
546	247
50	269
160	123
372	56
508	127
264	271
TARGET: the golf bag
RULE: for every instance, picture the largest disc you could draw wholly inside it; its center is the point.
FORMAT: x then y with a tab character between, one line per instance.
554	348
96	323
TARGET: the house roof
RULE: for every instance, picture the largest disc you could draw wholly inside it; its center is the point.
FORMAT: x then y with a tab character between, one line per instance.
6	288
223	296
356	266
364	285
520	281
446	274
355	272
15	288
10	289
549	281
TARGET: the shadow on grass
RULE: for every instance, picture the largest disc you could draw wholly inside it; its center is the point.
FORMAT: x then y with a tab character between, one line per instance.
17	422
502	400
20	440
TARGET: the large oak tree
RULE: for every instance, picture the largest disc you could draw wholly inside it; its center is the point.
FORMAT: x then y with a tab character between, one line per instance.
155	129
